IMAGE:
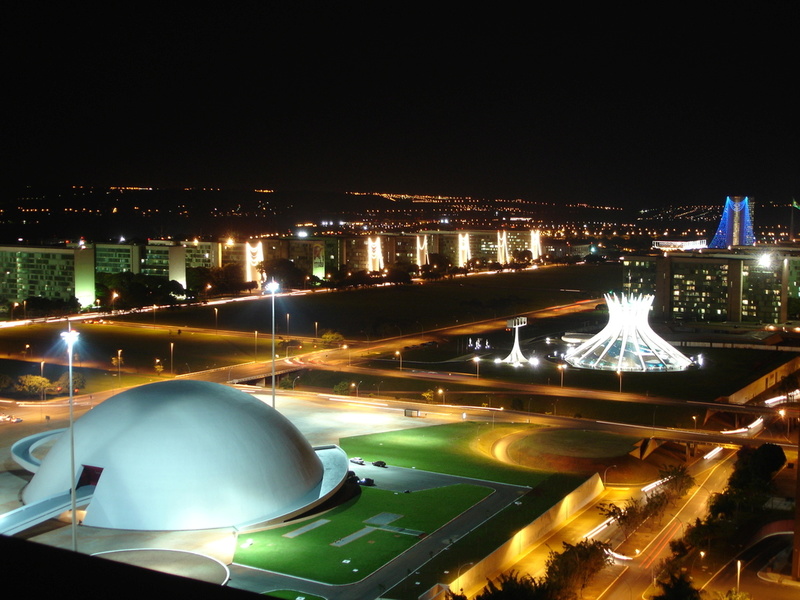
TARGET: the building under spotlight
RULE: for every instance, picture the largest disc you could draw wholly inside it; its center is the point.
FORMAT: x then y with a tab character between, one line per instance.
736	225
627	343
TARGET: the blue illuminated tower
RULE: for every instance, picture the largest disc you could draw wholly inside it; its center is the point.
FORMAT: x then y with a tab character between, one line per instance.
736	225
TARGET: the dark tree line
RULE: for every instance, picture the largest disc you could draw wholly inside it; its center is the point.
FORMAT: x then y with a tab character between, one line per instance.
566	576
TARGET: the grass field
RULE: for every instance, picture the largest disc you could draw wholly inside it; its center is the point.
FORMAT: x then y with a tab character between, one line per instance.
462	449
397	310
423	511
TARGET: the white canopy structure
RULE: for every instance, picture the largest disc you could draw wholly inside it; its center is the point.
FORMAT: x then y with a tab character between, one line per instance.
627	343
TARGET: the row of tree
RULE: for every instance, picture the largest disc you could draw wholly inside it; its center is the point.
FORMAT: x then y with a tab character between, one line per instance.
733	516
567	573
37	386
676	481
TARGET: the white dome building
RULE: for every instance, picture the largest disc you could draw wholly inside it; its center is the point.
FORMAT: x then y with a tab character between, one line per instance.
181	455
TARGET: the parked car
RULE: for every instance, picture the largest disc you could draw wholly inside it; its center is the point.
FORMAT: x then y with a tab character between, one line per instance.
357	460
366	481
379	463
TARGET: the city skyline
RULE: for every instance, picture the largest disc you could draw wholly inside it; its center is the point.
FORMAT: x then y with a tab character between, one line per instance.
560	108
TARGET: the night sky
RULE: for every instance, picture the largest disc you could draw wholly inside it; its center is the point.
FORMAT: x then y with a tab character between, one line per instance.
641	106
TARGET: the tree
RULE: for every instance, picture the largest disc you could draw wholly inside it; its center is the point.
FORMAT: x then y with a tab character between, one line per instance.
6	383
513	586
677	482
342	388
656	505
78	380
332	338
677	586
32	385
627	517
575	566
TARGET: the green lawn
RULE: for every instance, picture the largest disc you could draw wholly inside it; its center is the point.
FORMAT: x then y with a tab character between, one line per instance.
457	449
576	443
424	511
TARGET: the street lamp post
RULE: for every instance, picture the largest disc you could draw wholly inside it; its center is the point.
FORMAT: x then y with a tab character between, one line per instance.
41	374
605	478
255	345
477	360
114	297
458	575
619	374
216	320
172	358
272	287
287	323
400	355
119	367
562	368
356	385
70	337
442	394
694	418
316	329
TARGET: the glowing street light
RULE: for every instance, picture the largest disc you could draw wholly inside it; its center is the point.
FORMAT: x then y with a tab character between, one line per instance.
619	374
477	361
216	320
316	329
694	418
273	287
562	368
782	413
441	393
114	297
353	384
349	353
400	355
70	337
287	323
738	574
172	358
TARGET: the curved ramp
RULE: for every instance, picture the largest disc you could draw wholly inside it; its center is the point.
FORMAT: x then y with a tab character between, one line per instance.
22	450
27	516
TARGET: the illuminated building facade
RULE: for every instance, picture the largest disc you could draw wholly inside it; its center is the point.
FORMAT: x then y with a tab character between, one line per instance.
54	273
746	284
58	272
627	343
736	225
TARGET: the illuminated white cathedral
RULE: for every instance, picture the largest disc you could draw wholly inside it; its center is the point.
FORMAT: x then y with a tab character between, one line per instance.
627	343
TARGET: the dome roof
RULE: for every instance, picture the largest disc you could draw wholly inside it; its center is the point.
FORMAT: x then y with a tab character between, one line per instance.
187	455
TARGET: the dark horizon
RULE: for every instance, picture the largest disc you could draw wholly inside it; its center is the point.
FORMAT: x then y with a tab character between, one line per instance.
625	109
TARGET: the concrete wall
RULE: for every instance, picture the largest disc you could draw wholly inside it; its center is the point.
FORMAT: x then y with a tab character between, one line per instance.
765	382
474	579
